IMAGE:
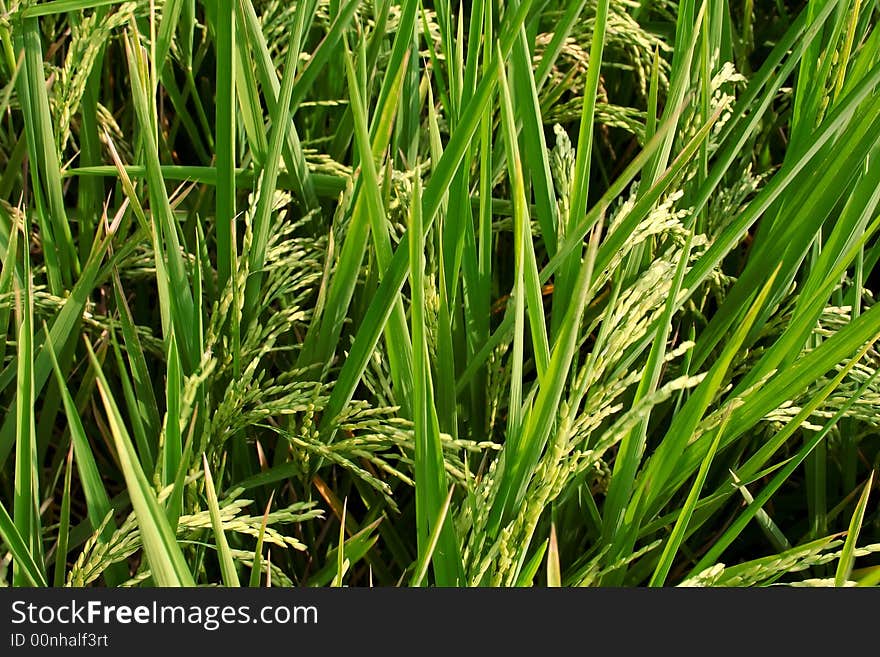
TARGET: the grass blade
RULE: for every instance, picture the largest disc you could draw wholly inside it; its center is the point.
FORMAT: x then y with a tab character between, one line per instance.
847	554
63	525
227	564
27	465
167	564
258	550
28	568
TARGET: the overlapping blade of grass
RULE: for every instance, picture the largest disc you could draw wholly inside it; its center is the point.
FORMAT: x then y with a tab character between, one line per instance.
787	383
61	258
816	75
174	505
182	115
472	47
407	137
249	105
441	72
324	53
8	272
441	551
167	27
424	562
784	473
353	549
843	246
451	237
96	497
323	335
324	332
543	188
808	210
535	146
257	564
454	214
618	238
374	47
172	445
146	447
261	222
563	285
677	536
168	566
459	142
664	462
148	408
521	457
866	55
396	334
690	25
18	547
224	141
150	228
245	85
632	446
751	471
248	24
381	305
479	295
561	32
63	524
458	321
841	117
64	328
227	563
63	6
90	196
847	554
768	527
530	569
715	49
180	293
527	290
27	466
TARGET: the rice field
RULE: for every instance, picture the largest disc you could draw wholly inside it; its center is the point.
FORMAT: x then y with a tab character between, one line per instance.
413	293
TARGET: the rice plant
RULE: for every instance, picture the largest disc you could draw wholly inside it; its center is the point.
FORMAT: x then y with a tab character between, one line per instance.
401	293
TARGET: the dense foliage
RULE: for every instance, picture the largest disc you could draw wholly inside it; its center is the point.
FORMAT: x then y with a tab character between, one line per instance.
381	292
